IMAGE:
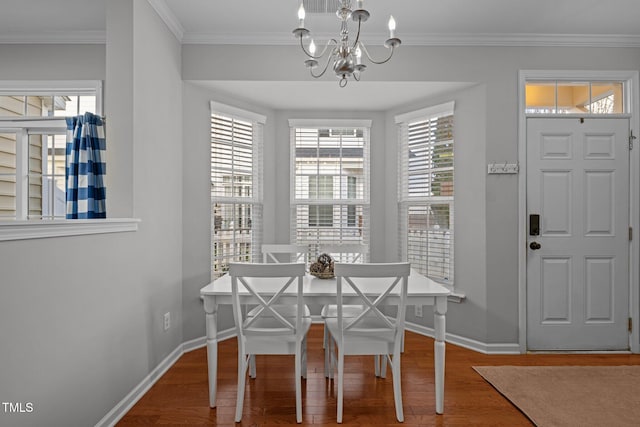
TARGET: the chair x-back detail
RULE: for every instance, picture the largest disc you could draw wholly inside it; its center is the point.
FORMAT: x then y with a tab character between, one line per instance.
346	252
296	253
265	330
370	332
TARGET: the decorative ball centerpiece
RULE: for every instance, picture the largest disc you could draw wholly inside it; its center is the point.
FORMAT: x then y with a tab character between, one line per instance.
323	267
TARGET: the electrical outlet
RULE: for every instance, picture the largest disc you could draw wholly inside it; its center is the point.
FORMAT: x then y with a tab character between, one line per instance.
167	320
418	311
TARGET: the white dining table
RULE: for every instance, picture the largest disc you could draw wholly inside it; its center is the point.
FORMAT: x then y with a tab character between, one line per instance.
422	291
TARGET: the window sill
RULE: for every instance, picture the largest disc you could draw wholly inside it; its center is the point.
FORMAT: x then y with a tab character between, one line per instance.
40	229
456	297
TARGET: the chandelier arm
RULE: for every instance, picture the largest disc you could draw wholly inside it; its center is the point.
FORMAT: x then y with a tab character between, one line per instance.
366	52
355	43
324	69
321	53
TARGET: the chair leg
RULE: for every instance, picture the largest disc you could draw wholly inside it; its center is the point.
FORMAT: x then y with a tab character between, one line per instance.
324	336
327	353
383	365
304	358
331	357
243	362
397	387
340	384
380	361
298	373
252	366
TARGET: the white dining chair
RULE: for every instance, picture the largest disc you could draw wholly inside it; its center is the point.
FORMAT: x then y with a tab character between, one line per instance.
266	331
349	252
278	253
371	332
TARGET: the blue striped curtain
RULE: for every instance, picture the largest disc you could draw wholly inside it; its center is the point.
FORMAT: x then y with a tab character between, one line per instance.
85	168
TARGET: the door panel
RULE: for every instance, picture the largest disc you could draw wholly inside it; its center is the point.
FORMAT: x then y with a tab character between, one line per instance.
557	203
577	278
599	202
599	289
556	290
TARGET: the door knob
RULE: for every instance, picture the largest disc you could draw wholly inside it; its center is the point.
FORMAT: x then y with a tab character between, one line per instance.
535	245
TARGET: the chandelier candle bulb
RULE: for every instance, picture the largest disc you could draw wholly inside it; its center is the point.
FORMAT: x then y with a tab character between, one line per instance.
312	48
301	15
360	4
392	27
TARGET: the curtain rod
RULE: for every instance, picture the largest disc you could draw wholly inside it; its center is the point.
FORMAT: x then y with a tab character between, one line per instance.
35	119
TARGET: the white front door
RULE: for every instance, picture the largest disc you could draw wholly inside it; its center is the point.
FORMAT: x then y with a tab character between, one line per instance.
578	259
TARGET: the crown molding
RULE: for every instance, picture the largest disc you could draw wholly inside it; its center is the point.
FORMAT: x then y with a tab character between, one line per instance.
89	37
523	40
166	14
287	38
503	40
262	39
54	37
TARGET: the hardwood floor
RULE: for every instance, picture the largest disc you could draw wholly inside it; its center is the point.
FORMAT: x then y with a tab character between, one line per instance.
180	397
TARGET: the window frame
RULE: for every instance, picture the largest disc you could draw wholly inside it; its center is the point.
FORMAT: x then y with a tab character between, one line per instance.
21	229
588	82
252	203
408	201
341	204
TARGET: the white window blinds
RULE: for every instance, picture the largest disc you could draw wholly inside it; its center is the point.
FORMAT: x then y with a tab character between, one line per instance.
426	193
330	183
236	187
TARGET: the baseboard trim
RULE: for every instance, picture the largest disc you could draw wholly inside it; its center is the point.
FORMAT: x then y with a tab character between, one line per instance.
202	341
138	391
468	343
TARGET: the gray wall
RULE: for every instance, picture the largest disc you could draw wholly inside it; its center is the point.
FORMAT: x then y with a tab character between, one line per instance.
196	251
82	326
468	319
486	131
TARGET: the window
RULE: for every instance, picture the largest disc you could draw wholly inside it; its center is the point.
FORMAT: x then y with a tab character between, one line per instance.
236	187
330	182
426	193
574	97
321	187
33	144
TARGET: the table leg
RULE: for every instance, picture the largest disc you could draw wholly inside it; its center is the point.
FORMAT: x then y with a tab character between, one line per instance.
439	323
210	309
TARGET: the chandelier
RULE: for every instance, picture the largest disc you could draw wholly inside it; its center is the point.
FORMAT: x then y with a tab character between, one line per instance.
345	55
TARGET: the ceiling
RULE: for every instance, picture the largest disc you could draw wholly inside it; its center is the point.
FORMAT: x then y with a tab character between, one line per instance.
419	22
